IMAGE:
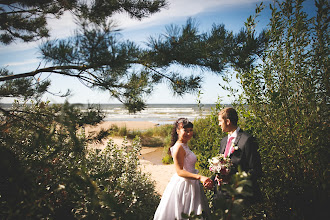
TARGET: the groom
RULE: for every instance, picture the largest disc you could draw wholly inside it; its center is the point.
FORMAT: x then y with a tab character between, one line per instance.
241	148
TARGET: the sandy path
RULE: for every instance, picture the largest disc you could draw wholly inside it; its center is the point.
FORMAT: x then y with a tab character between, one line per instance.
151	162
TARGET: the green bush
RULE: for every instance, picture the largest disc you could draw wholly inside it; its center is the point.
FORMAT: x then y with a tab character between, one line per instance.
147	141
207	138
161	130
167	159
285	103
124	189
153	137
47	173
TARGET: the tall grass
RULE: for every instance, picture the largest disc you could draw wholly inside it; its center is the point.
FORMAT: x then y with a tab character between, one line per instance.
153	137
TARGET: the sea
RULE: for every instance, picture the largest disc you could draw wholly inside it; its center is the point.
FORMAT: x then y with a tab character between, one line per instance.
156	113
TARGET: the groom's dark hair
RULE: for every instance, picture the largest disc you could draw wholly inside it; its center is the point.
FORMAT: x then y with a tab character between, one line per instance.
229	113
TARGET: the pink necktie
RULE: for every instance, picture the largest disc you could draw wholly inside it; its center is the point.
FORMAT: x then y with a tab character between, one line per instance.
228	146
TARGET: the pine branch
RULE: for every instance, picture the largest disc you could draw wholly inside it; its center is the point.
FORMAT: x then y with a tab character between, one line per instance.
48	69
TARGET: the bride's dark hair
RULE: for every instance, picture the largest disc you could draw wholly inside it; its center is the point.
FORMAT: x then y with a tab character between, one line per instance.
185	124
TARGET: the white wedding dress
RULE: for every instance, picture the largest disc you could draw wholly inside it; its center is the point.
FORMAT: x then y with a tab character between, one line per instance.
182	194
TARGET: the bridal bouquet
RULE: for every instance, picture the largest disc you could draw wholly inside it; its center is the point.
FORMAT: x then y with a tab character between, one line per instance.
221	166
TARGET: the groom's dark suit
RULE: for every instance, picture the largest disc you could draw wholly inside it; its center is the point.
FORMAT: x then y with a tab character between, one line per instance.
246	156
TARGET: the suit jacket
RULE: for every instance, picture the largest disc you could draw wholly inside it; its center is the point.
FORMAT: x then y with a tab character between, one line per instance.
247	156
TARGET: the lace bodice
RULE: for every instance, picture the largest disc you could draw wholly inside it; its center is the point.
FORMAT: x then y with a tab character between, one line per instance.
189	160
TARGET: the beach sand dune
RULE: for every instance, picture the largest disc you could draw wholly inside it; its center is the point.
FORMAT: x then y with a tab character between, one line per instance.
130	125
150	157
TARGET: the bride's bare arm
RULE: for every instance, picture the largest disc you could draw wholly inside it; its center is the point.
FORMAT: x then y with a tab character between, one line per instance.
178	158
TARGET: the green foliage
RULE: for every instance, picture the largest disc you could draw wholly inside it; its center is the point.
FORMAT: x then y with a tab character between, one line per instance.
163	134
46	171
160	130
98	58
122	131
285	103
215	50
27	20
167	159
44	143
94	55
206	144
152	141
230	206
153	137
116	172
22	88
207	137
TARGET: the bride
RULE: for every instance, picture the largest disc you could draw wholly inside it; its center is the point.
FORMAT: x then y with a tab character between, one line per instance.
184	193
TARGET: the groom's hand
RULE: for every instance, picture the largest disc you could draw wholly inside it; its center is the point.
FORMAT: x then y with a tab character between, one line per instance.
208	184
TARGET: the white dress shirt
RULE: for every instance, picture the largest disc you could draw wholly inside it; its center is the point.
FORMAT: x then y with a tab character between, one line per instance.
234	135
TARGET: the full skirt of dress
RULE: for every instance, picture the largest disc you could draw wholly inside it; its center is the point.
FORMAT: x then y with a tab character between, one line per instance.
182	195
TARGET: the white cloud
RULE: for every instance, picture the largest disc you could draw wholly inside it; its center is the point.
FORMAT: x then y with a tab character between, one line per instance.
17	46
63	27
59	28
25	62
178	9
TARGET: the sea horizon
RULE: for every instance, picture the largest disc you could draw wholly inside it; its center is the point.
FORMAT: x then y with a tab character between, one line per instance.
165	113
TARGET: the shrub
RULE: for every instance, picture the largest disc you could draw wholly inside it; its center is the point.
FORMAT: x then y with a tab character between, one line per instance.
207	137
167	159
162	130
127	191
285	101
147	141
46	171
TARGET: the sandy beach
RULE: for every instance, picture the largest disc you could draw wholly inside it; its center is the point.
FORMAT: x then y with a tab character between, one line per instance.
150	157
130	125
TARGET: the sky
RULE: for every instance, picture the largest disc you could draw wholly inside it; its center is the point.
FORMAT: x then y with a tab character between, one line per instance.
21	57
